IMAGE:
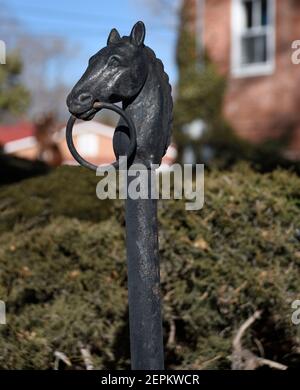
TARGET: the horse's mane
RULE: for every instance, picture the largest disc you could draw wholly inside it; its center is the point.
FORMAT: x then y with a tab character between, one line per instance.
167	89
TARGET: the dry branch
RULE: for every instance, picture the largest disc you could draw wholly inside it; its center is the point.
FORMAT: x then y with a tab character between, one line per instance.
60	356
243	359
86	356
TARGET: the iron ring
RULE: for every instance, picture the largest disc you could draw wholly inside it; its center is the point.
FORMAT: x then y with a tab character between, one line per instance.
99	107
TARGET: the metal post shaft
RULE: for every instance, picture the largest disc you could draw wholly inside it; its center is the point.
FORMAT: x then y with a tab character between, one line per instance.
146	335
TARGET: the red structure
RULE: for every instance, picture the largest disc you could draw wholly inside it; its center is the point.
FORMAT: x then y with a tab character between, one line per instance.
250	41
11	133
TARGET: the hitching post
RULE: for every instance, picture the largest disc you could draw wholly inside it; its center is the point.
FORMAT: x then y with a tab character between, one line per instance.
146	338
143	135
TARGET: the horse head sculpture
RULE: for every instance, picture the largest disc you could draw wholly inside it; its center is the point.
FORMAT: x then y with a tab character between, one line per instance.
127	71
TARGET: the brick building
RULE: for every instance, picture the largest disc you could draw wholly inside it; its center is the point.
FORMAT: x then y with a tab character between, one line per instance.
92	139
250	41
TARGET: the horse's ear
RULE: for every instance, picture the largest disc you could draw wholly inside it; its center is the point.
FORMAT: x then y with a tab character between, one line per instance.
137	35
113	37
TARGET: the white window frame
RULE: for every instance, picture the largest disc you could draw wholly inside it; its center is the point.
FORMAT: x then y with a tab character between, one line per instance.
258	69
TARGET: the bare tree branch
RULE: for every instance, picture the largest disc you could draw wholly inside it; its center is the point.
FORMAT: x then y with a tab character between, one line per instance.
243	359
86	356
60	356
171	338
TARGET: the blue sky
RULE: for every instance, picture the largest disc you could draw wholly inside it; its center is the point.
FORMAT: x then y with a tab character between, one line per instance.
85	24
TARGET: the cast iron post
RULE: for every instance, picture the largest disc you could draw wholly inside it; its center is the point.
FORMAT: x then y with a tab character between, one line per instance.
146	338
145	320
128	71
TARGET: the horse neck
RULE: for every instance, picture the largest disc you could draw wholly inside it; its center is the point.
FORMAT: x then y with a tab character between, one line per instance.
145	109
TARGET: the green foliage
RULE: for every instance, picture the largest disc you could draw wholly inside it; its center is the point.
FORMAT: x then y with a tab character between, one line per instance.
63	271
200	93
14	97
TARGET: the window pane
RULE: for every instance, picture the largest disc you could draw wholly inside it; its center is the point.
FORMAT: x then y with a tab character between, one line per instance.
248	9
88	144
256	13
254	49
261	49
248	51
264	13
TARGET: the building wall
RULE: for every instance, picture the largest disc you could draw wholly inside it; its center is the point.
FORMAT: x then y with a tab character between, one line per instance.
258	107
104	155
101	153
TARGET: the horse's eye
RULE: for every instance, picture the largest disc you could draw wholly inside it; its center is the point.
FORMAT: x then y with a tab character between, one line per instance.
114	60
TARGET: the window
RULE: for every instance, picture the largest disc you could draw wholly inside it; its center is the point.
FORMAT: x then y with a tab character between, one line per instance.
253	37
88	144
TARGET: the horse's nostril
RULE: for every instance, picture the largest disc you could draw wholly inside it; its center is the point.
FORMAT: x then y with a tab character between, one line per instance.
85	98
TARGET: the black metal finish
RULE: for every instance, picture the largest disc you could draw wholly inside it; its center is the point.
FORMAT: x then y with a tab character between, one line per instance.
127	71
146	337
100	106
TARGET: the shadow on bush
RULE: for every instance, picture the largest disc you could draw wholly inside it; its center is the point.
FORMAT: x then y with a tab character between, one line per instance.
227	149
14	169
